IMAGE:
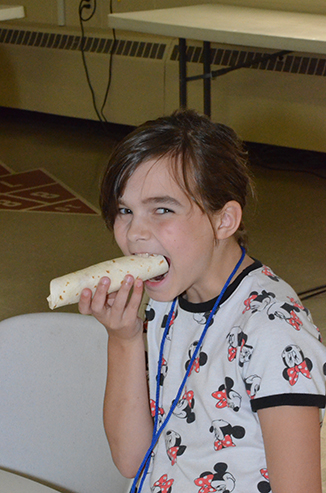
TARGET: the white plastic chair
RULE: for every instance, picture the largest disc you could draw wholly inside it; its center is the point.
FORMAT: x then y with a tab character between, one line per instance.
52	381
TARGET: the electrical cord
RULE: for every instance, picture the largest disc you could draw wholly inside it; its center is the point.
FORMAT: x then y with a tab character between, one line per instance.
85	5
309	293
276	168
110	67
261	155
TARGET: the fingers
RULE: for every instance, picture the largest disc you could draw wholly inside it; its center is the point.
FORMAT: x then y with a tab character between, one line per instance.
124	308
137	295
88	304
117	310
128	299
99	301
85	302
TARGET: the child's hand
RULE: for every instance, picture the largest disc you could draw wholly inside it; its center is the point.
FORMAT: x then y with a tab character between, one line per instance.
118	312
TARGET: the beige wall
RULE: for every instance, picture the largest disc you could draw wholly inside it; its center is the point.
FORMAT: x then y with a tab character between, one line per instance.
273	107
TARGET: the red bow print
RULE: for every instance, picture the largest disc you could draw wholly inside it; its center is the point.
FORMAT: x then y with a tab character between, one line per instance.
164	484
153	408
232	353
188	396
293	373
221	397
264	473
226	442
172	453
296	303
205	484
248	301
249	394
172	319
266	270
295	321
195	366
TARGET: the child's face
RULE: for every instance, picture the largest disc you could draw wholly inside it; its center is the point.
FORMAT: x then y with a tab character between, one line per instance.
156	216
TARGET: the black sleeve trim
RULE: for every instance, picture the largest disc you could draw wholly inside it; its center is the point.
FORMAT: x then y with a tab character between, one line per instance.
312	400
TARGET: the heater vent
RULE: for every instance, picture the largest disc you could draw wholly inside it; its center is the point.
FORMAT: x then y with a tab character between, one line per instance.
294	64
140	49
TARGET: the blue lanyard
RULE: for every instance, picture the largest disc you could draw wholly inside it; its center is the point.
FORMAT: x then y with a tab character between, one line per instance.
143	469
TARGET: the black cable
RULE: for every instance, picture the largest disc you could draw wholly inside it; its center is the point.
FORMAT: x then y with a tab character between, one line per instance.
86	5
309	293
264	156
292	170
112	50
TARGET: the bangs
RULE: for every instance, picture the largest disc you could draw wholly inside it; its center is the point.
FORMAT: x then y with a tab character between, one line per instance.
185	172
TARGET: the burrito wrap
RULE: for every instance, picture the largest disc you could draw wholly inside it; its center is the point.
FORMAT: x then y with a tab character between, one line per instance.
66	290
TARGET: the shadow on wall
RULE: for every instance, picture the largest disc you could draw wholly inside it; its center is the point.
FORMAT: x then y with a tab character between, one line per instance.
9	92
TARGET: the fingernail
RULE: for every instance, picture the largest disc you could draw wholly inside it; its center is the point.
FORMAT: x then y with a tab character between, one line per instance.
138	283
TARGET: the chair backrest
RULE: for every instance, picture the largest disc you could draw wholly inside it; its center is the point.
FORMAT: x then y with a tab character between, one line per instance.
52	381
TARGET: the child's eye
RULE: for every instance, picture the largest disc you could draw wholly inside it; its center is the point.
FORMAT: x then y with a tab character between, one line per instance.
124	210
163	210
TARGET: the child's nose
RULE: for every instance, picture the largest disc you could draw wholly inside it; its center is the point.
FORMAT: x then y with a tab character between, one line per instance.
138	230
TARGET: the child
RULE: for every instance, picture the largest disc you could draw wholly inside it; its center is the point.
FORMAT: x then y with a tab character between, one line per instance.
236	368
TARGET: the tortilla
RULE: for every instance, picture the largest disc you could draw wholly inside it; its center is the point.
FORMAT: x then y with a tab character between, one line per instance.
66	290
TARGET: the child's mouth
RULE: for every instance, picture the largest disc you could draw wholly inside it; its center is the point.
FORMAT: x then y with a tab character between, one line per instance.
158	278
162	276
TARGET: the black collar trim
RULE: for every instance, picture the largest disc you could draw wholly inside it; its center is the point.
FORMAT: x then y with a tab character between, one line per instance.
207	306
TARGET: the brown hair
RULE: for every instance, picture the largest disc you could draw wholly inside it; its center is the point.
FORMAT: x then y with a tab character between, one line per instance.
212	158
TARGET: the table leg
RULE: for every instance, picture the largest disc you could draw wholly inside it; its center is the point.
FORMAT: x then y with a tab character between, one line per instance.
182	73
207	79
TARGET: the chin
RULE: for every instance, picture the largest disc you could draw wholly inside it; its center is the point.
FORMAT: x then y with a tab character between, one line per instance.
163	298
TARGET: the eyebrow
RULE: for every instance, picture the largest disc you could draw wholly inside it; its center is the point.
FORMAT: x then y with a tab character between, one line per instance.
164	199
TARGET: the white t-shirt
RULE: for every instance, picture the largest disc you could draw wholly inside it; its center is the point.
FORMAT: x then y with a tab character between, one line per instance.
261	350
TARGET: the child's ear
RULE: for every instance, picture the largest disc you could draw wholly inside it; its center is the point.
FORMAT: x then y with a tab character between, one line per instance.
228	220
